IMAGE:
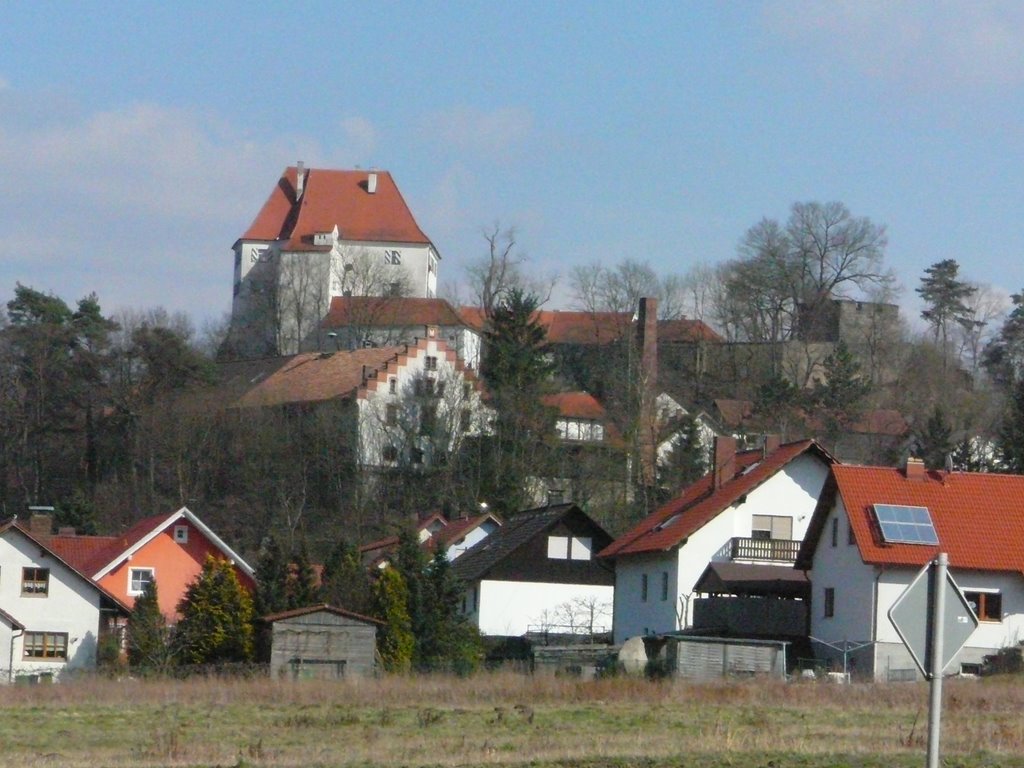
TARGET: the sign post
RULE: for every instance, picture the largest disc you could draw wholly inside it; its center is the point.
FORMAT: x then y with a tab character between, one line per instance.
934	620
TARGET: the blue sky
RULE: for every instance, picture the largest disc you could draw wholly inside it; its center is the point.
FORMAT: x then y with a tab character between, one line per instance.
136	145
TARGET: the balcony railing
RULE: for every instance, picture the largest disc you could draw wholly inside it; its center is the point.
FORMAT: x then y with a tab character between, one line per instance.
772	550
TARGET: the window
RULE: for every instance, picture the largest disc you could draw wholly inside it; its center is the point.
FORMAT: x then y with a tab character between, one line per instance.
467	390
46	645
430	363
393	385
581	547
643	587
777	527
987	606
138	579
416	455
428	419
835	531
393	257
830	602
465	420
391	415
181	534
664	586
390	453
558	547
35	582
850	538
440	389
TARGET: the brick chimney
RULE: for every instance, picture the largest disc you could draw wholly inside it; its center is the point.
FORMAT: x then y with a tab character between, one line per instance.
915	469
725	460
40	525
647	428
771	444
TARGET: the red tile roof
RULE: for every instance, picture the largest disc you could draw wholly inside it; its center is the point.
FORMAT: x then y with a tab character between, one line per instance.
450	532
335	198
576	405
315	377
45	543
685	331
700	503
387	312
733	412
979	518
568	327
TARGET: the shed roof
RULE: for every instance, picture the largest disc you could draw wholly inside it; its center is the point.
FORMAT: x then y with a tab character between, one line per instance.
320	608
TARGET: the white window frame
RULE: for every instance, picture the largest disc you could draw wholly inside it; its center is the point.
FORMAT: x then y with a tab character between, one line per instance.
582	547
181	534
558	547
131	579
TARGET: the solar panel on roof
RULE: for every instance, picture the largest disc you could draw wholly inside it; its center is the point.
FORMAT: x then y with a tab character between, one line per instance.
906	525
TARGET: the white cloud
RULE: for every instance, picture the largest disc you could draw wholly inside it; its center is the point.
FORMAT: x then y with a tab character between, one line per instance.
139	204
360	136
473	130
932	44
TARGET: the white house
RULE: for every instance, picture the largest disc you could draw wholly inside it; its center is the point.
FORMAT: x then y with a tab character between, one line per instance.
321	234
537	572
52	616
753	507
873	531
455	536
399	405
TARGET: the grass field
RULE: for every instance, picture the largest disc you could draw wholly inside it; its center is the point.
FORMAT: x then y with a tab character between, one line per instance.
505	719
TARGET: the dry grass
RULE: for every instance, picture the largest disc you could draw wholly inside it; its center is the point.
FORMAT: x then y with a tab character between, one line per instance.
503	719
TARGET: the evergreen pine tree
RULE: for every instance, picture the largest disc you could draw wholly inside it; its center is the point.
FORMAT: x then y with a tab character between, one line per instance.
271	574
945	294
516	369
216	617
1011	436
936	442
303	590
839	401
687	461
345	582
149	647
395	642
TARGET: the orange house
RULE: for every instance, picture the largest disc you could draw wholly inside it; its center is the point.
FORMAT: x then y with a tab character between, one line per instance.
169	549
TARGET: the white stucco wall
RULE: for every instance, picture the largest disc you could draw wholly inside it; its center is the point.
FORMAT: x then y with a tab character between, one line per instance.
865	593
375	433
472	538
71	605
792	492
513	607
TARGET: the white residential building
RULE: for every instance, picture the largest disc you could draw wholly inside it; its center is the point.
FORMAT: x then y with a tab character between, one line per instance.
873	531
753	507
52	616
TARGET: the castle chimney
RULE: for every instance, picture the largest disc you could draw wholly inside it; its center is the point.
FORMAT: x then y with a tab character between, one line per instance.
371	183
300	180
915	469
647	341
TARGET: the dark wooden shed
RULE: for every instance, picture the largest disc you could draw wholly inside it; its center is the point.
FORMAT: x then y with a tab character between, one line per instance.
322	642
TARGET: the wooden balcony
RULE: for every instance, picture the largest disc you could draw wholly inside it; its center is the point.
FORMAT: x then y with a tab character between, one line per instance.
765	550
